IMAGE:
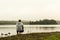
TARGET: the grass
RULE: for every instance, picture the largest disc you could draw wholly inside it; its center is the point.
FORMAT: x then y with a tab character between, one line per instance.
34	36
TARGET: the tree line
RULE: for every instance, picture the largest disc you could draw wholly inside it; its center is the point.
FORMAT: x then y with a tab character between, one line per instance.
45	21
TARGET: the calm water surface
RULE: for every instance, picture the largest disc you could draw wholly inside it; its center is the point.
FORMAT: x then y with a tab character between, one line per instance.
29	29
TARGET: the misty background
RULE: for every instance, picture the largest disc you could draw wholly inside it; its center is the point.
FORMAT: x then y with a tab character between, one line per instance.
29	10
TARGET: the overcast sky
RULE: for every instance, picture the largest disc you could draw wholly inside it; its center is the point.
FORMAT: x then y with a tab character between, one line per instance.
29	9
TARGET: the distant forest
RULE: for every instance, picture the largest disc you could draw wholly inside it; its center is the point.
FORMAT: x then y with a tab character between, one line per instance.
40	22
7	22
44	22
12	22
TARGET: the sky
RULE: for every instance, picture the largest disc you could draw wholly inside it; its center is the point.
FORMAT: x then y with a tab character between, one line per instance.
29	9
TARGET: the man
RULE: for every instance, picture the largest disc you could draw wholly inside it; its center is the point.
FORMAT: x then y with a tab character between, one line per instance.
19	26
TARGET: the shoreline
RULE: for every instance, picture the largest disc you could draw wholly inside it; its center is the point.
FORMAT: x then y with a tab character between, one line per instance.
34	36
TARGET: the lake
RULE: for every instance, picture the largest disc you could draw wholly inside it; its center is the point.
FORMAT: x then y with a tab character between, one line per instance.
29	29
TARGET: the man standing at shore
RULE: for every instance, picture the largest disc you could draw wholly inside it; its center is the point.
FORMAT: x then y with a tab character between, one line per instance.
19	26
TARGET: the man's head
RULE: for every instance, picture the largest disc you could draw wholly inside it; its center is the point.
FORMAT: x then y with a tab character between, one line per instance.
19	21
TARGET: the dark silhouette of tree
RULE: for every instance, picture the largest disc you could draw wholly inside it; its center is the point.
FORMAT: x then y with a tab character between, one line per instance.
45	21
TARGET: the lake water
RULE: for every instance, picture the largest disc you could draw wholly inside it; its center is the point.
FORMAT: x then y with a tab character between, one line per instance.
29	29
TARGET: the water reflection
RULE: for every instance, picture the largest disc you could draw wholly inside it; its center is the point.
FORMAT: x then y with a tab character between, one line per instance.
48	28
